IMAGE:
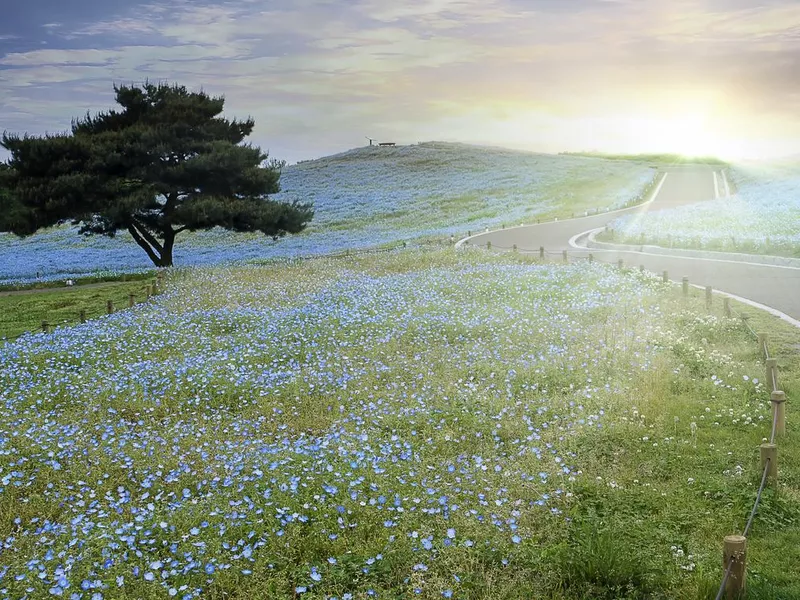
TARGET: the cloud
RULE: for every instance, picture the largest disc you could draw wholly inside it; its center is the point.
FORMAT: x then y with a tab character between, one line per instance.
319	72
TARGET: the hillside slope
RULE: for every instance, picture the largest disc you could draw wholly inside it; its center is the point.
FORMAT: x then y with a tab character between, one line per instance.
364	197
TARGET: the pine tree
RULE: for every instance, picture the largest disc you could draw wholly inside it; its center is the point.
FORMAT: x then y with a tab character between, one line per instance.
166	162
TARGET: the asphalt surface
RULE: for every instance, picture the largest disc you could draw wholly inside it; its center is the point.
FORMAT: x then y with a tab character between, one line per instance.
775	286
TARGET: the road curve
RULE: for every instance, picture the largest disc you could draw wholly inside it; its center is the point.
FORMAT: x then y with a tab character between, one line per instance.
774	286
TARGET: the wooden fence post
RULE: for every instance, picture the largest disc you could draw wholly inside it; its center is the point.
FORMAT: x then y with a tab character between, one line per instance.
541	251
82	315
45	326
131	300
489	245
591	258
515	248
709	296
565	256
763	340
109	307
772	373
685	286
769	452
619	263
778	400
666	277
734	554
641	268
726	305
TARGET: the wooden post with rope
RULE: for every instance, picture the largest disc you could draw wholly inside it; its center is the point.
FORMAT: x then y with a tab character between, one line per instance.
778	401
734	556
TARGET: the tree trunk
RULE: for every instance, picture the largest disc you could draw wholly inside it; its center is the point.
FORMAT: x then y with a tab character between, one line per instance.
166	252
159	253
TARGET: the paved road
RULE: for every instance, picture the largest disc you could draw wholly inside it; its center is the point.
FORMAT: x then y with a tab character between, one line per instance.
774	286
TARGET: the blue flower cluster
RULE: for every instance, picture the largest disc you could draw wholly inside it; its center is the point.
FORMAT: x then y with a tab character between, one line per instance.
332	417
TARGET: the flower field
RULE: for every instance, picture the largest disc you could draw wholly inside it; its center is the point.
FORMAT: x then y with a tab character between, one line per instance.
763	217
417	424
363	198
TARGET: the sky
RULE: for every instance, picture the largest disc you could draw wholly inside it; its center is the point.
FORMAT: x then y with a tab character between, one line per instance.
318	76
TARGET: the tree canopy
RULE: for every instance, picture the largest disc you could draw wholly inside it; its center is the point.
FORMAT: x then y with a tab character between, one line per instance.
166	162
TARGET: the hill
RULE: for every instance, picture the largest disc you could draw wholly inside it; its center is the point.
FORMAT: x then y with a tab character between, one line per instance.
365	197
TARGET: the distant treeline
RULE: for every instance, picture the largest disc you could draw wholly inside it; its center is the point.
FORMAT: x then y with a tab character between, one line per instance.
659	158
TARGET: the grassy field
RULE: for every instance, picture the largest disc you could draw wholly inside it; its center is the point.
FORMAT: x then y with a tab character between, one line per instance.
423	424
81	281
24	311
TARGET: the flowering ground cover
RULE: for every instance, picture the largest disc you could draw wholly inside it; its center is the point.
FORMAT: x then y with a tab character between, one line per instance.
365	197
418	424
763	217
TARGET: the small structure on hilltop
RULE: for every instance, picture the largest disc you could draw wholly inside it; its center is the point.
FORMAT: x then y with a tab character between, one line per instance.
383	144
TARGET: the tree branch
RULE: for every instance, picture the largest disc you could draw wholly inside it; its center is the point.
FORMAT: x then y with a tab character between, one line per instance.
140	227
144	245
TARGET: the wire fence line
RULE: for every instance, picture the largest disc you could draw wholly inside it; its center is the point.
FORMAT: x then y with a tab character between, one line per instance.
752	516
767	462
734	560
86	314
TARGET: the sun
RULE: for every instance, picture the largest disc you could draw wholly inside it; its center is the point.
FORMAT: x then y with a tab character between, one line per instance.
686	134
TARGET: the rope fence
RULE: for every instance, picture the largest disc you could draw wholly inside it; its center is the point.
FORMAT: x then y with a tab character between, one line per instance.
637	200
733	583
150	290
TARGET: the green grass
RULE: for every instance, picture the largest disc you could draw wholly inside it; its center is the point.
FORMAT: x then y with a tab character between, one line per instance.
25	311
714	245
78	281
442	357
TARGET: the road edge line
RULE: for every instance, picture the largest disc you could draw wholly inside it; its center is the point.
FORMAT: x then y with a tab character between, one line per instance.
463	241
